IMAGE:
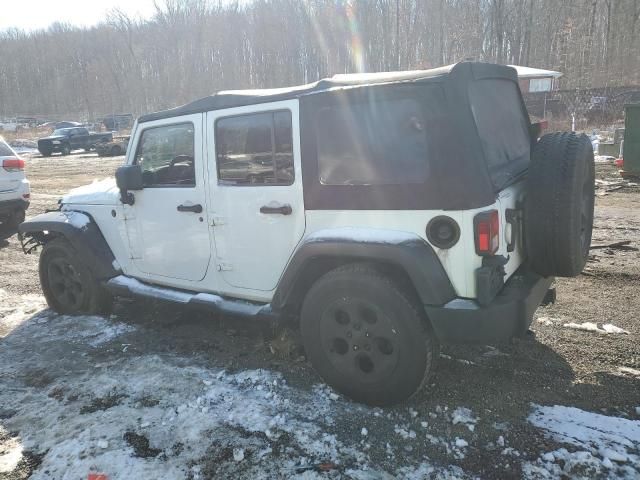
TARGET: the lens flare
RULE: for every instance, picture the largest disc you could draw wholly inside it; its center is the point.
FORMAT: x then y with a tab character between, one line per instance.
357	51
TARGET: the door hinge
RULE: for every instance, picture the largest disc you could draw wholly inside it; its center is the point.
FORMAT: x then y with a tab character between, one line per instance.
225	267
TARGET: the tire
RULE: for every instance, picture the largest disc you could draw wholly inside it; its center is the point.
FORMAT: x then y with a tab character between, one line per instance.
366	336
65	150
559	204
115	151
15	219
67	284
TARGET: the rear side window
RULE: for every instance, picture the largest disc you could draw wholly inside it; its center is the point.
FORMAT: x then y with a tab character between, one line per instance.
5	151
255	149
372	142
503	128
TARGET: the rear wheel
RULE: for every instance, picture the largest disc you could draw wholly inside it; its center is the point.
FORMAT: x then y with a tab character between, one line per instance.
559	204
116	150
67	284
366	336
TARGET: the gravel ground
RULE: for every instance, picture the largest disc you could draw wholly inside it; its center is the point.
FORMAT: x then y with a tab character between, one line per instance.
154	390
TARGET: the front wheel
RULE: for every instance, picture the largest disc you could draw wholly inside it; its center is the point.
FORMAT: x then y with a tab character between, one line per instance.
65	150
67	284
366	336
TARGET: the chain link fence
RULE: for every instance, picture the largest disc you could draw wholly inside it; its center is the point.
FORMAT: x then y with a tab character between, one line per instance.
582	109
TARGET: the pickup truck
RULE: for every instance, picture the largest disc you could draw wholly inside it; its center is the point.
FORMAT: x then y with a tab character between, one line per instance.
64	140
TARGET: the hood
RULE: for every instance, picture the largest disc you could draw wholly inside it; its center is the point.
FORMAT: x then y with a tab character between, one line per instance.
53	137
104	192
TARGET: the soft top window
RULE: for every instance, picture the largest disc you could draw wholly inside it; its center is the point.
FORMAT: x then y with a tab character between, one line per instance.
373	141
503	128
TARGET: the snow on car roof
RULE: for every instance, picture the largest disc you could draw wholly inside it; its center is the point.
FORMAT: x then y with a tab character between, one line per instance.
530	72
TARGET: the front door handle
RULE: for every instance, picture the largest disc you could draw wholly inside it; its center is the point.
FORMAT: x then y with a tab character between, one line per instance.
190	208
281	210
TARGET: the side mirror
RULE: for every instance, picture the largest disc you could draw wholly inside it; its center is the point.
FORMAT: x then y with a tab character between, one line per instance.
128	177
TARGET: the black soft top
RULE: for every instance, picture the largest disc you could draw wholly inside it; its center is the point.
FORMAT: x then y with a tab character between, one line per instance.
239	98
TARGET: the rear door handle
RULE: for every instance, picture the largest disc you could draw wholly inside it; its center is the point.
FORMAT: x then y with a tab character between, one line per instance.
197	208
280	210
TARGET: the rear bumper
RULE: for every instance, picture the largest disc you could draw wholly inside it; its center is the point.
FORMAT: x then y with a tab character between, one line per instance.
10	206
508	315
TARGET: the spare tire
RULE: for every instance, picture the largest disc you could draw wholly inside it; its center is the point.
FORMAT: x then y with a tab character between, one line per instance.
558	216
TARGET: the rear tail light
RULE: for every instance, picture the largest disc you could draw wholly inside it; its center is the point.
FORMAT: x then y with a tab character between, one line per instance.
487	232
13	164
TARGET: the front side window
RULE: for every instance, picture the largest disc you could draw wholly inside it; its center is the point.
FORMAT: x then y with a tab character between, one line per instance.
381	141
166	156
255	149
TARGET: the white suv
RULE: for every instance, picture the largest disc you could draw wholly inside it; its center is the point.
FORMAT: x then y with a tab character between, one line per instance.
385	212
14	188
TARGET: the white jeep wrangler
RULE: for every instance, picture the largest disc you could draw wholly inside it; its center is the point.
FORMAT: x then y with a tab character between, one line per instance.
387	212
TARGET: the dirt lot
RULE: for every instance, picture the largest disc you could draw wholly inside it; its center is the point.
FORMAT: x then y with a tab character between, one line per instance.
156	392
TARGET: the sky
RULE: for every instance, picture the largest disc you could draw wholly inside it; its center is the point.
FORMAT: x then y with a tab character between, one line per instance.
35	14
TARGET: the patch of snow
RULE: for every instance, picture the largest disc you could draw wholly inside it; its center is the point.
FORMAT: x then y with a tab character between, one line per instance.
545	321
461	443
14	312
10	453
604	443
238	454
593	327
428	471
629	371
586	326
77	219
609	328
364	432
464	416
247	411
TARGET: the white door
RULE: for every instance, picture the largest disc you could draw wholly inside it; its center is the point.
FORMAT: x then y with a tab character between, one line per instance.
171	237
256	203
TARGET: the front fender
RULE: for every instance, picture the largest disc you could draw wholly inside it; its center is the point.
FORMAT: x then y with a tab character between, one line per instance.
401	249
80	230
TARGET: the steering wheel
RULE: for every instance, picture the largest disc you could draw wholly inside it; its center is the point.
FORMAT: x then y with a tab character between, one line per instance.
180	159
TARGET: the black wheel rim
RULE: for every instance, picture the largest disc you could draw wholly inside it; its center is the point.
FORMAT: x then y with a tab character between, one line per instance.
360	340
65	284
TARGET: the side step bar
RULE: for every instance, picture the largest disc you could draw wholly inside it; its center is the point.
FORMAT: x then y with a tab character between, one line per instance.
127	286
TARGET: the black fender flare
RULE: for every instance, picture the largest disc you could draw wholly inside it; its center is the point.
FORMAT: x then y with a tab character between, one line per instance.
80	230
328	248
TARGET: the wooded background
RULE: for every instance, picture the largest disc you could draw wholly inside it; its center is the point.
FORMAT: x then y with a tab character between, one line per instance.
192	48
